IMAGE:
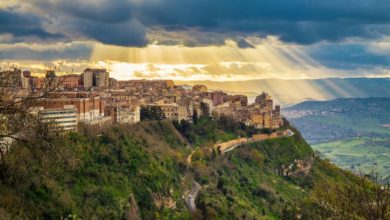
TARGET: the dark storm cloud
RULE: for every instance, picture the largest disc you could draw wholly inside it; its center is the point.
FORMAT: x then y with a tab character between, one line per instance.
129	33
243	43
300	21
23	25
348	56
127	22
107	11
61	51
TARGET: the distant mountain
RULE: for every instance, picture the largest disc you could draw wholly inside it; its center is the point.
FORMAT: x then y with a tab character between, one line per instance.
288	92
354	133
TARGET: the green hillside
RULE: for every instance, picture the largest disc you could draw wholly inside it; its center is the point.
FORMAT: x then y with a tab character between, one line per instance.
352	133
361	154
142	171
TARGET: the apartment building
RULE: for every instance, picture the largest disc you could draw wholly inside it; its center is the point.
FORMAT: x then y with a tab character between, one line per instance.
63	119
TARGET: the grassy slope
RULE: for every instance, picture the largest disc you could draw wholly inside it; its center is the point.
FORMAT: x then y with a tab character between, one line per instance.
361	154
92	177
350	132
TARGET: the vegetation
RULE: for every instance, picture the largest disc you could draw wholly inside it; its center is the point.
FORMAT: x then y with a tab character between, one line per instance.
206	130
353	133
360	154
152	113
132	171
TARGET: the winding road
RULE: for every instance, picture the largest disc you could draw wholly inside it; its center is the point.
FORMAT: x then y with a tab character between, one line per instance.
231	145
227	146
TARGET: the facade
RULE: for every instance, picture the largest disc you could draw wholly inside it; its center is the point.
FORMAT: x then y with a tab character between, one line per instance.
87	79
37	83
101	79
89	106
97	78
129	115
171	111
70	81
218	97
25	81
64	119
145	85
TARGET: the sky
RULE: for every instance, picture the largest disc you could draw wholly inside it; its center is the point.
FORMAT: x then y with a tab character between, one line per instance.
219	40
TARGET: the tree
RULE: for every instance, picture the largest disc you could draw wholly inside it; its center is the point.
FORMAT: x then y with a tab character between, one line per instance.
152	113
195	116
17	122
205	109
363	198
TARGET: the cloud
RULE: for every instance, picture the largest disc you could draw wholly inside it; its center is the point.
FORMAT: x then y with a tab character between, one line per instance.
20	25
349	55
244	43
298	21
348	35
46	52
129	22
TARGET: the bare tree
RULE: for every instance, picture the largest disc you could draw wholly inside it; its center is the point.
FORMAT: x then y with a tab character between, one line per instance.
17	122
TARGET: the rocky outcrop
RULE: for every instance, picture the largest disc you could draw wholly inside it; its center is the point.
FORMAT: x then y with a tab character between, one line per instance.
297	168
166	202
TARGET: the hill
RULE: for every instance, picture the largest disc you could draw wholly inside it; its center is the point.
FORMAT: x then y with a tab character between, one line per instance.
142	172
353	133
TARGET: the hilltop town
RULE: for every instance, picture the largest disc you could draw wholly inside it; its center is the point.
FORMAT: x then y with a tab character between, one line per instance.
94	99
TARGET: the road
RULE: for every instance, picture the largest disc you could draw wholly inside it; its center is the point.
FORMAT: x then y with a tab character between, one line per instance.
190	200
246	141
191	197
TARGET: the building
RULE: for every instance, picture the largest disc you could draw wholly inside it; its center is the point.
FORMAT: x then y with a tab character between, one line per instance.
129	115
89	106
98	78
64	119
25	81
70	81
51	80
185	109
239	100
218	97
264	99
171	111
36	83
11	79
26	73
87	79
257	120
101	78
146	85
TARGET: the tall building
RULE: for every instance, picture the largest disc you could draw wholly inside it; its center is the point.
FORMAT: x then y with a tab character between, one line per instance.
26	83
26	73
87	79
98	78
